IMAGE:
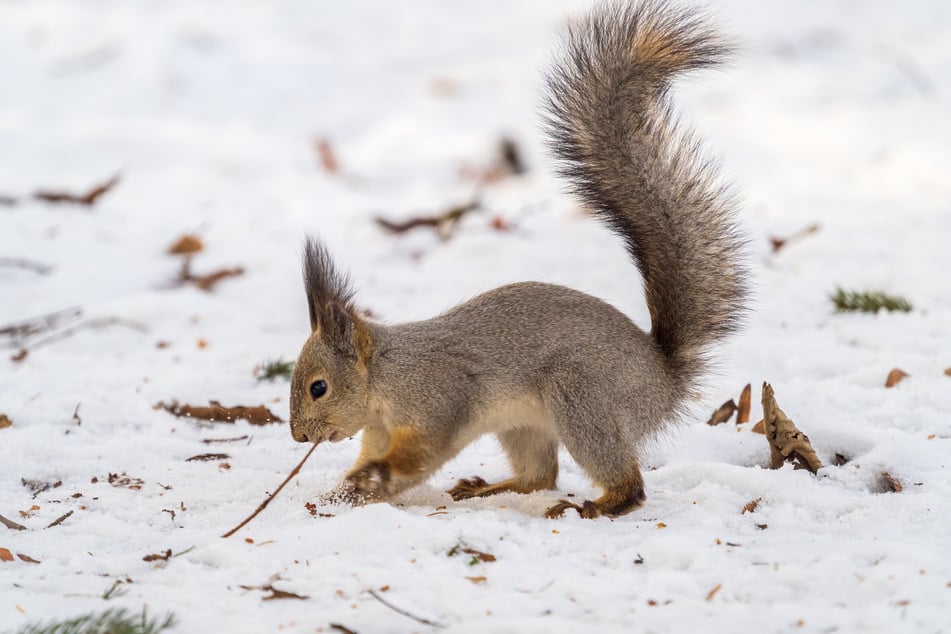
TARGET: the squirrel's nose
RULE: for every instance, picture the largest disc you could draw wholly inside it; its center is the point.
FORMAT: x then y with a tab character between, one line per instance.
299	435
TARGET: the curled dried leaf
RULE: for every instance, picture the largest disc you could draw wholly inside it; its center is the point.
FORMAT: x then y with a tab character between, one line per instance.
743	408
723	413
890	484
786	442
895	377
185	245
750	506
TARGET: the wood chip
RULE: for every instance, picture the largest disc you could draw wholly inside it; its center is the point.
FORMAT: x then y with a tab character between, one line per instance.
477	580
723	413
786	442
218	413
743	409
895	377
890	484
750	506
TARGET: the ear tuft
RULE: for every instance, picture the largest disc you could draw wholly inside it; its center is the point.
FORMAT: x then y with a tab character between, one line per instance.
324	284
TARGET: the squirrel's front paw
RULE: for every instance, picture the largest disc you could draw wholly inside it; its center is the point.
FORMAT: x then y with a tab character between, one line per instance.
371	482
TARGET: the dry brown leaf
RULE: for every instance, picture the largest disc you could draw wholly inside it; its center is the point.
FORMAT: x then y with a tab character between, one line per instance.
30	512
750	506
19	355
895	377
477	580
185	245
759	427
947	371
5	422
743	409
27	558
325	153
88	199
890	484
714	591
125	481
723	413
216	412
786	442
5	555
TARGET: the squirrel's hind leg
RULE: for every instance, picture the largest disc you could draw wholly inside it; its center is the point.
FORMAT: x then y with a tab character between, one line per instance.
533	453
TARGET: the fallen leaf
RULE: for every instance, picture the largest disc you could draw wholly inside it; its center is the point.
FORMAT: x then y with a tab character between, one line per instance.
947	371
205	457
30	512
714	591
723	413
786	442
125	481
890	483
743	409
661	525
216	412
185	245
759	427
201	344
88	199
5	422
895	377
750	506
5	555
19	355
477	580
481	556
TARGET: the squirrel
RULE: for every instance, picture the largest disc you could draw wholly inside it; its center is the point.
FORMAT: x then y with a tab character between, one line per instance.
540	365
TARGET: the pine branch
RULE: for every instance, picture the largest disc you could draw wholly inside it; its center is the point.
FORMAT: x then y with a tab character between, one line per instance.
868	301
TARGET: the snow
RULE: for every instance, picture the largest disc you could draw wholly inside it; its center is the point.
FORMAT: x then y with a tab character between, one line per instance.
832	112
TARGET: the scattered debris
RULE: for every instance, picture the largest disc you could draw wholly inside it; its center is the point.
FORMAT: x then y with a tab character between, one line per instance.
750	506
76	418
125	481
5	422
444	223
743	409
27	265
275	593
39	486
88	199
270	497
208	281
30	512
14	526
211	441
477	555
218	413
326	155
418	619
895	377
947	371
206	457
639	560
779	243
839	459
723	413
62	518
786	442
271	370
714	591
159	556
890	484
868	302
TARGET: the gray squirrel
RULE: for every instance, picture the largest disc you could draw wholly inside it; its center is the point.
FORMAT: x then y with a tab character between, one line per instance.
540	365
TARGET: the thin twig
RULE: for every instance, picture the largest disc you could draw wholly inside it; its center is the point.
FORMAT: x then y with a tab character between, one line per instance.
23	329
11	524
270	497
443	223
29	265
103	322
419	619
60	519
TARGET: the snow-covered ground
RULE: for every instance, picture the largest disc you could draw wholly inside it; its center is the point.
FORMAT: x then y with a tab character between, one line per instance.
833	112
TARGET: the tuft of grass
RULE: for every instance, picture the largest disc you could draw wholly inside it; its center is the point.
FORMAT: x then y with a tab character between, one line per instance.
114	621
868	301
278	368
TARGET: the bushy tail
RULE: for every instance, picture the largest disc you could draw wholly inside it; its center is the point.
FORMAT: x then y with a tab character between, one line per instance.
610	122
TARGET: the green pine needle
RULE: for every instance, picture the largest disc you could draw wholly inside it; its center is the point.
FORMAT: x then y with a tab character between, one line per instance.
273	370
868	301
116	621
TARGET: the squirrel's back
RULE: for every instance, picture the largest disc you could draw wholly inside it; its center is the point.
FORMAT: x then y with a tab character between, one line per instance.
611	125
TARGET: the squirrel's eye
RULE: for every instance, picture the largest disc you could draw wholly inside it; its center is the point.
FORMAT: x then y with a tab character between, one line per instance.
318	389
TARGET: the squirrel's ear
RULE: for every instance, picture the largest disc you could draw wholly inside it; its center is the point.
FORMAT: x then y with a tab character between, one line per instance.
346	332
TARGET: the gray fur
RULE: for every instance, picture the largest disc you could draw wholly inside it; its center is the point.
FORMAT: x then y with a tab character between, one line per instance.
536	363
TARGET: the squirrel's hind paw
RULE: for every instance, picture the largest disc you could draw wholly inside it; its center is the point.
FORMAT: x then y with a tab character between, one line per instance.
588	510
467	488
